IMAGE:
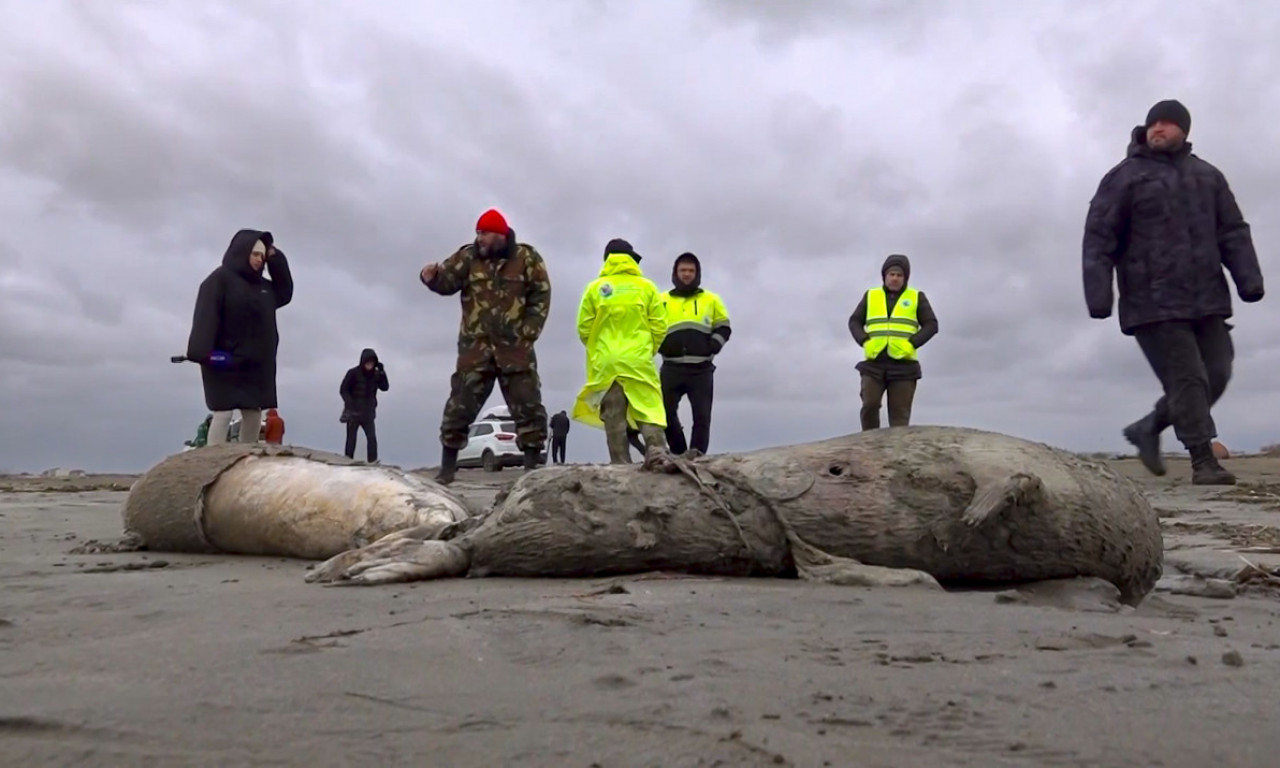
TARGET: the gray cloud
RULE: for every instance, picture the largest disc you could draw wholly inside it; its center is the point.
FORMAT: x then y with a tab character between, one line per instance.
792	146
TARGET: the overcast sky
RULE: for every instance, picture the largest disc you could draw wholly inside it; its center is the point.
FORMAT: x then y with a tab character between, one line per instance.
791	146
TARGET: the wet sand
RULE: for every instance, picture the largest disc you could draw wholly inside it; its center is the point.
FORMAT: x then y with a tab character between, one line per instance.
158	659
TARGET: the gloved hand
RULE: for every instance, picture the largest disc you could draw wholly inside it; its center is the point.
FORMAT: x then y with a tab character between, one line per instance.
1251	296
378	366
219	359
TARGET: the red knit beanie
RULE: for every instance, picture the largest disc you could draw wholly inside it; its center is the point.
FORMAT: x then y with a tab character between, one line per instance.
492	221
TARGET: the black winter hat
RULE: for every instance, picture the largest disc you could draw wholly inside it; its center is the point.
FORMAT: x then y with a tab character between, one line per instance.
1171	110
901	262
618	245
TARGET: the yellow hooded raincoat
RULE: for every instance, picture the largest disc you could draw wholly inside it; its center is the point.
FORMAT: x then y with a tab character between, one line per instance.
621	322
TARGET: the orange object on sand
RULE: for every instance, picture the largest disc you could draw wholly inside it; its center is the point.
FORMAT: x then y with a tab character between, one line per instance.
274	427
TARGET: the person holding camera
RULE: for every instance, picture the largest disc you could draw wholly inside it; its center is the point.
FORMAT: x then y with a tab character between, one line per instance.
359	392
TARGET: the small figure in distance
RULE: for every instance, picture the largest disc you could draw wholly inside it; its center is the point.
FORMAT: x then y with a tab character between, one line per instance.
359	389
891	323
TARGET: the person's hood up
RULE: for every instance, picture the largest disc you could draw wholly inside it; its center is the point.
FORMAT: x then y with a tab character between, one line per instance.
901	261
679	288
1138	144
620	264
236	256
368	354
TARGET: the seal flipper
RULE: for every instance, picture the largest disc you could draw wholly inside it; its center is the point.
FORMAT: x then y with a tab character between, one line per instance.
994	497
407	555
812	564
410	561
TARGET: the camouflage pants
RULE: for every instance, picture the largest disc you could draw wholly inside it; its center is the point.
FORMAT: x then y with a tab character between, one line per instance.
469	389
613	412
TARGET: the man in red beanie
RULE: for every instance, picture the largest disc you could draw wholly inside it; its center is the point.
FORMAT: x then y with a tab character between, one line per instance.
506	295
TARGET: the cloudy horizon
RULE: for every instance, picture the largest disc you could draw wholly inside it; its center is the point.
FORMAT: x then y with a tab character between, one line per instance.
792	147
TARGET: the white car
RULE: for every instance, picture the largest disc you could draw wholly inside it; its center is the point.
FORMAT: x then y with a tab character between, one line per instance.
491	444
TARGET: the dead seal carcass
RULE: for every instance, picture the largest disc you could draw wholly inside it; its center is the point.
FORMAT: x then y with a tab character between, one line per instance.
261	499
923	504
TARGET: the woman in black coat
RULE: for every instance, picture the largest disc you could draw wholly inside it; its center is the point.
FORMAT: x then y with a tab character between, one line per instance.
233	332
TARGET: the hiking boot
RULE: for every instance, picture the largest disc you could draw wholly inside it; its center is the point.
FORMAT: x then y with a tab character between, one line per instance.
1144	436
1205	469
692	454
448	466
531	458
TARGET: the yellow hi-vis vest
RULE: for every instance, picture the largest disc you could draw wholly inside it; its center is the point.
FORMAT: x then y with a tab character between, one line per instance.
892	331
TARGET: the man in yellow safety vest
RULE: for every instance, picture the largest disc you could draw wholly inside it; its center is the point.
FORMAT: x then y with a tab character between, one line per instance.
890	323
697	330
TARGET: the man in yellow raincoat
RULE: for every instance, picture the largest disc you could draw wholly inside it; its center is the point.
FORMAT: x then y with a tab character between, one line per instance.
621	322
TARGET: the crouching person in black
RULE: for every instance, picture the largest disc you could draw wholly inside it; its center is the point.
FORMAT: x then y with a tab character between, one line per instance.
360	402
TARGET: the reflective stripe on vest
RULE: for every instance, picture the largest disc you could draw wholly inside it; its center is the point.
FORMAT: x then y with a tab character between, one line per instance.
891	331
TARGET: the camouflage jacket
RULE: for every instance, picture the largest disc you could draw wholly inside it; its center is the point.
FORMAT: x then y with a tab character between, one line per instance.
505	301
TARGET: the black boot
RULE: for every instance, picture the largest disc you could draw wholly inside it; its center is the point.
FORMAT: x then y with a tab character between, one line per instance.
448	466
531	458
1142	433
1205	469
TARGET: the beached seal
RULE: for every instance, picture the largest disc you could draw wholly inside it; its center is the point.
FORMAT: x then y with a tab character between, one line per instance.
263	499
923	504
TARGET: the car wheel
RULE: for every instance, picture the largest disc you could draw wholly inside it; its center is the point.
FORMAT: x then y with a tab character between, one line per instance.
491	463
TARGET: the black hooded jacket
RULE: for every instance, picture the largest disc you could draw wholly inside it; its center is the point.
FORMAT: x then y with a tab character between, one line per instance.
360	388
1165	224
235	312
691	341
883	364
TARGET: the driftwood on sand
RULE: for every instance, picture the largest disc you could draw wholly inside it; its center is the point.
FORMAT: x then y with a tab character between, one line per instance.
261	499
891	506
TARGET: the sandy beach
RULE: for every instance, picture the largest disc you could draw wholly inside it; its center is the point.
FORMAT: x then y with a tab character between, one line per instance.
157	659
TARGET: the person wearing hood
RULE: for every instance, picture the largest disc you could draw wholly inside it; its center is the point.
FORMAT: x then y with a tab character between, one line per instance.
506	296
1163	224
233	332
697	330
273	428
890	323
621	323
359	390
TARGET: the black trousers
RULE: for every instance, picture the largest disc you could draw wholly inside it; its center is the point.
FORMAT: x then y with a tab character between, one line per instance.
698	382
557	448
1193	361
364	422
